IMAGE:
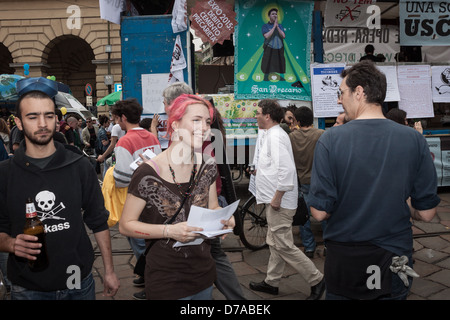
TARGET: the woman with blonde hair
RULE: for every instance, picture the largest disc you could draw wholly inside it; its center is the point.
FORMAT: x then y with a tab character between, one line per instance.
172	182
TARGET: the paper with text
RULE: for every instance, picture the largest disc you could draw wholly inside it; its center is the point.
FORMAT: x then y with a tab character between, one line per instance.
147	154
209	220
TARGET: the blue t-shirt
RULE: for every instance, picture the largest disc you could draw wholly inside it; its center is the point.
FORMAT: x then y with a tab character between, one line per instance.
275	41
363	173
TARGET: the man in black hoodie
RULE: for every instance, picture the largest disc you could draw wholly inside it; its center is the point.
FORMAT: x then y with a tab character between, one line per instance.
62	184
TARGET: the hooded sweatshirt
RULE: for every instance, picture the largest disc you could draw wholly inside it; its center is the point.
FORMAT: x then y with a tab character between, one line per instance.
67	195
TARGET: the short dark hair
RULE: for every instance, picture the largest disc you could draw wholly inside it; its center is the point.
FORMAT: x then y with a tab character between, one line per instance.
130	108
31	94
273	9
369	49
272	108
291	108
304	116
372	80
102	119
146	123
397	115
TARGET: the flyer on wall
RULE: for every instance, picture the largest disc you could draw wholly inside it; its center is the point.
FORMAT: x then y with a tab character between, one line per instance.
414	84
325	80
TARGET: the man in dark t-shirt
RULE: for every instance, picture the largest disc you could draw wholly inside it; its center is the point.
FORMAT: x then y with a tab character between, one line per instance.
364	176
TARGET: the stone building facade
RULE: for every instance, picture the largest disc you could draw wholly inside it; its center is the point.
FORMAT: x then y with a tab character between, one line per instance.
64	39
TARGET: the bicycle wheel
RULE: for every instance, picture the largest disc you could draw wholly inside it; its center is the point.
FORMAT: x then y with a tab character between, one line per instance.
254	225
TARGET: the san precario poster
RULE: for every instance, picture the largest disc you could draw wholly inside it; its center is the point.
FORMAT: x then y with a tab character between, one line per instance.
272	49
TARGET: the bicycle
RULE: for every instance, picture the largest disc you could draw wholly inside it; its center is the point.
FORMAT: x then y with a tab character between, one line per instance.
253	224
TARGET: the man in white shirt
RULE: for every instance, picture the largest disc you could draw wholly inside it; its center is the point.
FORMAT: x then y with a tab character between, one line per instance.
276	187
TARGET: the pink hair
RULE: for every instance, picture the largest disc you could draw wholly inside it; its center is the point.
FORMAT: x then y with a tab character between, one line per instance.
178	108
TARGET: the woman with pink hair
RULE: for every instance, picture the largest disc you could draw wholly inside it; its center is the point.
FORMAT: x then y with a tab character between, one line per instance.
173	181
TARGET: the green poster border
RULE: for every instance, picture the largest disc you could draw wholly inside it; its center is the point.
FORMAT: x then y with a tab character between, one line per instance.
256	63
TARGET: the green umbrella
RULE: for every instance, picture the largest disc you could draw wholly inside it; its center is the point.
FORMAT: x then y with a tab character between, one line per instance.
110	99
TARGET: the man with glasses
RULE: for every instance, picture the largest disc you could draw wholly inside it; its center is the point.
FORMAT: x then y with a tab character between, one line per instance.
35	172
364	175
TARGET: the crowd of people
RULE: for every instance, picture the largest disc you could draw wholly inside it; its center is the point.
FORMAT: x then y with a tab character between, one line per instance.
349	175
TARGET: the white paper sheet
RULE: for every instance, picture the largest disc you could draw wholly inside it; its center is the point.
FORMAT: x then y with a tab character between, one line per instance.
147	154
392	93
414	83
209	220
153	85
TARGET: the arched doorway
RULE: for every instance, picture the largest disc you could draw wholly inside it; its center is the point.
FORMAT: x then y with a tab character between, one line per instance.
5	60
70	60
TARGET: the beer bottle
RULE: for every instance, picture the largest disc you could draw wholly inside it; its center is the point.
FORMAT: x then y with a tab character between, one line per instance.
35	227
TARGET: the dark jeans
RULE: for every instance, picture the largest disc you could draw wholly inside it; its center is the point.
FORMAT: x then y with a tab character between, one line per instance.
226	280
306	234
87	292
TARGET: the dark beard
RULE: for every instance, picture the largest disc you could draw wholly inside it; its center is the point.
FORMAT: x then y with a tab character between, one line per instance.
41	142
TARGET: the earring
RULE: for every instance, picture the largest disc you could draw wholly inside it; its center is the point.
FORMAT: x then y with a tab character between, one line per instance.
175	136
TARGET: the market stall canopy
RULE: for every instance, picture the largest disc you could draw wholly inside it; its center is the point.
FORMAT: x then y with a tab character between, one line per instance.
8	91
110	99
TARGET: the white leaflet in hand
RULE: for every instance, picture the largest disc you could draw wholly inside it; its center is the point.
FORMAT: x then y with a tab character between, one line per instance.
148	154
209	220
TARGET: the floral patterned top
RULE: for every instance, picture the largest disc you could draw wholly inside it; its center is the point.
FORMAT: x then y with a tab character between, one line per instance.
174	273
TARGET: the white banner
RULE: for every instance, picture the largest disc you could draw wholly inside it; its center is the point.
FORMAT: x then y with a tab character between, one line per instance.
424	22
110	10
352	13
178	62
179	16
346	45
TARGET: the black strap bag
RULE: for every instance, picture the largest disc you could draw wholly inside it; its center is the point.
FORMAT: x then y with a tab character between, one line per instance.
139	268
301	215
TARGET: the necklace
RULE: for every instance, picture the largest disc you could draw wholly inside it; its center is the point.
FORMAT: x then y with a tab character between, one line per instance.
191	180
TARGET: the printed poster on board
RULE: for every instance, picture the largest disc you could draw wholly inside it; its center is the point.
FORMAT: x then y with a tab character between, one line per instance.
392	93
272	51
445	159
440	83
326	79
434	143
414	84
